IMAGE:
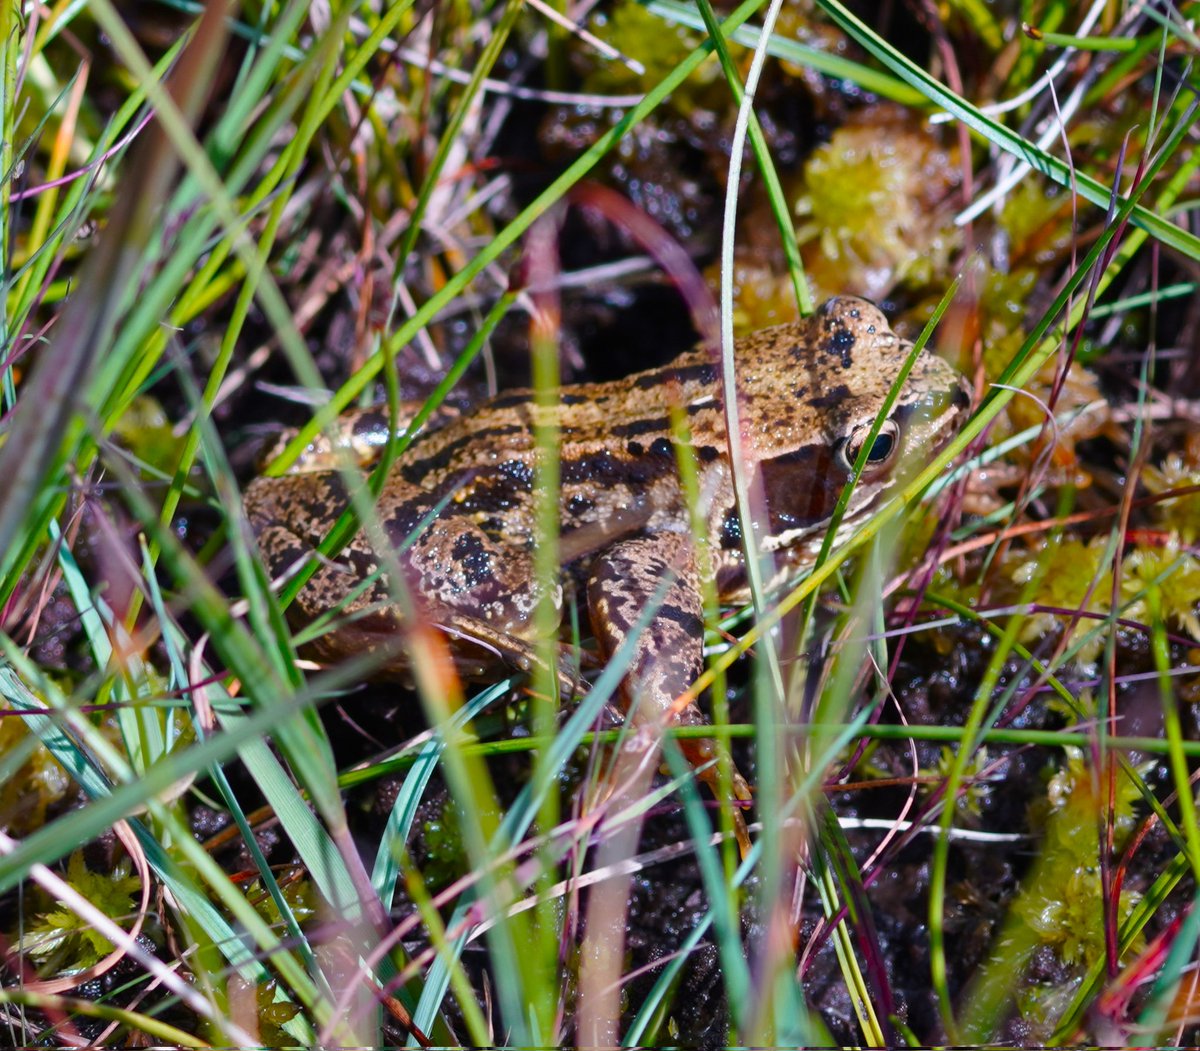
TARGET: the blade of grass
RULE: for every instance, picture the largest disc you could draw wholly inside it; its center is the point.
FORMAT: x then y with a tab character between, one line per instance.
766	166
48	398
830	63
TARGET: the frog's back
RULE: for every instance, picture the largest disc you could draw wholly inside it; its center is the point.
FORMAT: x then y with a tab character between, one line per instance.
617	465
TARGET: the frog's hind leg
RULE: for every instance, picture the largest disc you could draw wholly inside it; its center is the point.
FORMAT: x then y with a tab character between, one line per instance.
475	587
290	516
668	654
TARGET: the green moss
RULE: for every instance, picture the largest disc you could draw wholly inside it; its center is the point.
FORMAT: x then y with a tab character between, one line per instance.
869	209
975	789
1061	904
274	1012
38	784
659	46
446	854
64	943
1179	515
147	433
1176	575
1070	575
299	895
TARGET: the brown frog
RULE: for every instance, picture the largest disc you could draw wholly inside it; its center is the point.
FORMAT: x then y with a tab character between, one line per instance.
457	506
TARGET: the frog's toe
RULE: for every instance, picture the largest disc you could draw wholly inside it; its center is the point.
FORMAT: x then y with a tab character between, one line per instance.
701	754
741	793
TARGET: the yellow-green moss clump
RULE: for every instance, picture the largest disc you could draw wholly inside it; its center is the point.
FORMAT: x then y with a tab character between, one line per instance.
1061	901
1065	577
872	210
60	940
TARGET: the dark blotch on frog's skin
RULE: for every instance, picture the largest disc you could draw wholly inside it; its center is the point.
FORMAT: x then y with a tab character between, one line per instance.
402	524
731	531
474	559
653	425
518	472
508	401
415	468
839	340
831	399
704	375
370	424
579	505
329	500
690	623
840	343
603	468
596	467
483	498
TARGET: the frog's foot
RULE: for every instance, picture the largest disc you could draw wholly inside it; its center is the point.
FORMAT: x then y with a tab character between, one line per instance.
668	652
700	754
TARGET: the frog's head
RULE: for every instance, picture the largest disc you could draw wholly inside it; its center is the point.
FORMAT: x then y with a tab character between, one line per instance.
841	364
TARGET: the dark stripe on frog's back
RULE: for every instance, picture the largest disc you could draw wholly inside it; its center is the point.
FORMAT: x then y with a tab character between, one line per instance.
589	414
430	457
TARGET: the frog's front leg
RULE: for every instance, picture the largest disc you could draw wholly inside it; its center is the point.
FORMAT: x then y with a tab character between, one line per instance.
668	654
475	586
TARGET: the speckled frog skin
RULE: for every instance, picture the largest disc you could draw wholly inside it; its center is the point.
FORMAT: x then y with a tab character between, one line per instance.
808	394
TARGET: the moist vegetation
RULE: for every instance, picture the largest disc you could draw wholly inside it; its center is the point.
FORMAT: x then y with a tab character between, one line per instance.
978	817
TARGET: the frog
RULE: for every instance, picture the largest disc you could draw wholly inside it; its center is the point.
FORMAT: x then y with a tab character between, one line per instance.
457	508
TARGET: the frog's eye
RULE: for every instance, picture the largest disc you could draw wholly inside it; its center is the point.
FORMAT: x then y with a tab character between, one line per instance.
883	448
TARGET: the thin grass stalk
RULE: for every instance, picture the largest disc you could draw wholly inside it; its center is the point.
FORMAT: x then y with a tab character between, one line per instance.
44	213
1007	140
829	63
1143	911
434	928
768	689
1021	738
306	129
9	57
115	801
34	447
18	556
545	325
498	888
766	166
135	1021
1154	1015
689	483
496	41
